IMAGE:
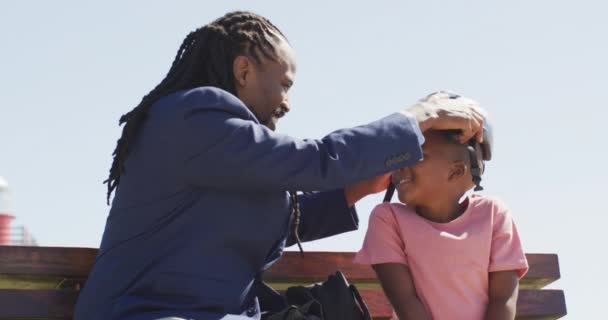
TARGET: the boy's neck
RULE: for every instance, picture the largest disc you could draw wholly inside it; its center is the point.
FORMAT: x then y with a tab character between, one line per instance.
442	210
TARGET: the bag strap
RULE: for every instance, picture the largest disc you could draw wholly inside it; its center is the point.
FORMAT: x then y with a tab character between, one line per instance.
362	305
295	208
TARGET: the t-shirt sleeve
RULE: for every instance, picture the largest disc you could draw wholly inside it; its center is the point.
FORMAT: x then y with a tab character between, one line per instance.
382	243
507	252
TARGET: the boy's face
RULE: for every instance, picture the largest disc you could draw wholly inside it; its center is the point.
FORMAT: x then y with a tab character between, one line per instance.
441	173
263	86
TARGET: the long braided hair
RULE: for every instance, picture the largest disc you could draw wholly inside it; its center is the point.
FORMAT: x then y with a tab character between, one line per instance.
205	58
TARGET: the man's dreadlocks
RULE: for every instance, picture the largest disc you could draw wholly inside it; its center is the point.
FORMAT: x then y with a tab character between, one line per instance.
205	58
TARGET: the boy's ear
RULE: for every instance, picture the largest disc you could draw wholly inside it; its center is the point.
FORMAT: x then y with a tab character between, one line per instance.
458	169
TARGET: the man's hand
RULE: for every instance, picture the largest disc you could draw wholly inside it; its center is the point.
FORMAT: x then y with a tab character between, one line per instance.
448	111
357	191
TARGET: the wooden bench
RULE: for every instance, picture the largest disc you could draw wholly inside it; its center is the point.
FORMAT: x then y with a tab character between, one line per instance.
43	282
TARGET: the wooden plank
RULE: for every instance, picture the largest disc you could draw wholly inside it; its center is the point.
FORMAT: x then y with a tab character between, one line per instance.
48	261
544	269
58	262
55	267
531	304
17	281
541	304
46	304
316	266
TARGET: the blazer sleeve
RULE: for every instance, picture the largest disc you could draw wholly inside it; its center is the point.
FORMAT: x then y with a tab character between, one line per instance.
323	214
223	149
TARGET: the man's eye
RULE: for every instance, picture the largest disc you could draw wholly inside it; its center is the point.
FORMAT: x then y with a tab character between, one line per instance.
287	85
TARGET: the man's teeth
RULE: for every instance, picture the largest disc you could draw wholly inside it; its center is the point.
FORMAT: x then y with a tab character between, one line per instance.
279	112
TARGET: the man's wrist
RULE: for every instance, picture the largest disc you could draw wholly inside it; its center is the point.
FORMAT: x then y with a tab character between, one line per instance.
425	124
422	115
352	195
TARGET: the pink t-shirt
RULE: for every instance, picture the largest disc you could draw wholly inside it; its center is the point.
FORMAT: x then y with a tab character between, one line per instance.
449	262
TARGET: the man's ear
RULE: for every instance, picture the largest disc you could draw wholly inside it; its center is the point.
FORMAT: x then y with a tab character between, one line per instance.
458	169
241	68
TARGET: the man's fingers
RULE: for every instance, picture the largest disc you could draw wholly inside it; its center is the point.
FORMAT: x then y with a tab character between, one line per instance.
478	127
475	119
472	129
479	136
467	130
480	131
452	111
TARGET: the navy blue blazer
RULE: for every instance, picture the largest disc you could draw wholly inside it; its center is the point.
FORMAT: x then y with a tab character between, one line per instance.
202	208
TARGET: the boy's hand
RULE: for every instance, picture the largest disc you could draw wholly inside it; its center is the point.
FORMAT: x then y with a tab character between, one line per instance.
448	111
358	190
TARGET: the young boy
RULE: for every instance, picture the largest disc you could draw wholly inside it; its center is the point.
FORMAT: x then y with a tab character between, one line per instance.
438	257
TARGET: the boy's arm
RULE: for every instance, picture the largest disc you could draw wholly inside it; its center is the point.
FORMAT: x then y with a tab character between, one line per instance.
399	288
504	287
508	264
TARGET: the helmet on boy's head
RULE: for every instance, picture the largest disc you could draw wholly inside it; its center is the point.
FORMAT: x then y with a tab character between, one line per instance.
484	149
488	141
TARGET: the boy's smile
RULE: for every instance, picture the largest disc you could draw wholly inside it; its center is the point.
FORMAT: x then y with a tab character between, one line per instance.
400	177
434	185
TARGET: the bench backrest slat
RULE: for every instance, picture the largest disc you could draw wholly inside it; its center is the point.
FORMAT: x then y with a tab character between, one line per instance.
42	304
30	276
532	304
315	266
68	262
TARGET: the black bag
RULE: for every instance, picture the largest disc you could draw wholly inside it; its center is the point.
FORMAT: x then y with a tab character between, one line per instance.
336	298
309	311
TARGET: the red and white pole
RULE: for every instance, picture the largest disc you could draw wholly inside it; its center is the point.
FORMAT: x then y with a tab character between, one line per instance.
5	216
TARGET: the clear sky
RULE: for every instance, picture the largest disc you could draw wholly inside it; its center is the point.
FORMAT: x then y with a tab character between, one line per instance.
68	70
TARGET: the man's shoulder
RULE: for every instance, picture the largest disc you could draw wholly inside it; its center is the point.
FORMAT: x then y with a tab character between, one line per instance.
210	96
206	99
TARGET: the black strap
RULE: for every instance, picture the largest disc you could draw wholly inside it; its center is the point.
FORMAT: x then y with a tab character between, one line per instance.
362	305
475	169
295	207
389	192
